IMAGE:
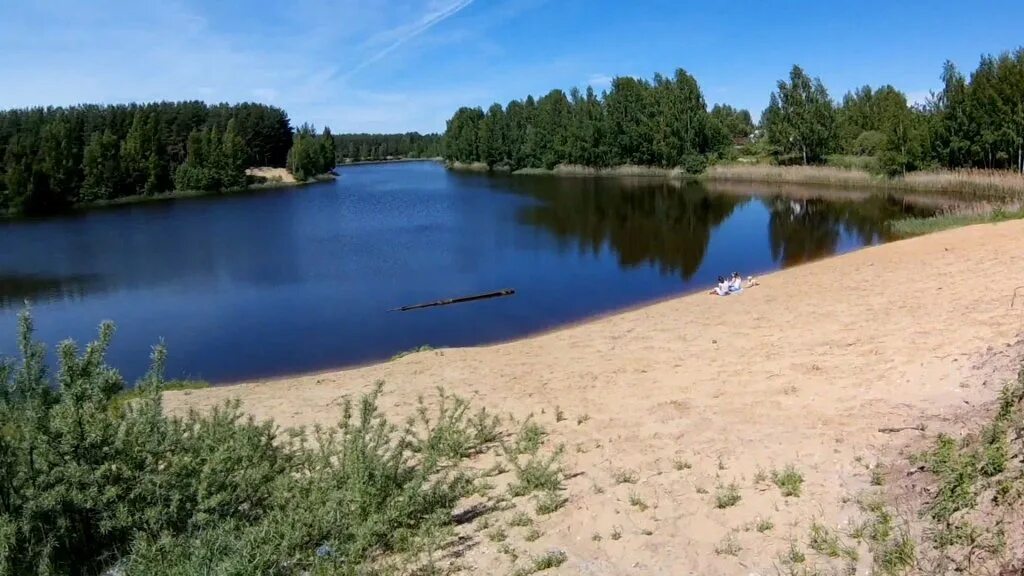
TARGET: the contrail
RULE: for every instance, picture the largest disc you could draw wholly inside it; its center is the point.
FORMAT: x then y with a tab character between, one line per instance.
428	22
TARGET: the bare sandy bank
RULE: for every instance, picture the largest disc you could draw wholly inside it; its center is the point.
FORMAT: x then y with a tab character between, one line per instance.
801	370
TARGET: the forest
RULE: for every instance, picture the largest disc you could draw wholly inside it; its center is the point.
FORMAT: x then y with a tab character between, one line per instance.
52	159
664	122
370	147
971	122
974	121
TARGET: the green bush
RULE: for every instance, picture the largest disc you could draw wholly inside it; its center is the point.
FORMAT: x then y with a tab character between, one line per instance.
694	163
91	481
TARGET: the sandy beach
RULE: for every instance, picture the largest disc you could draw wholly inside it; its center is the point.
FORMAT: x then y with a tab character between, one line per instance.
803	369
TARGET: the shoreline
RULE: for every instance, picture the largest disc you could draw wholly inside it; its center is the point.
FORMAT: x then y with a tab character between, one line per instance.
391	161
125	201
694	393
961	185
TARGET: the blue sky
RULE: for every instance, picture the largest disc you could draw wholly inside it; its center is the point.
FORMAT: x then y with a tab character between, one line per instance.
397	65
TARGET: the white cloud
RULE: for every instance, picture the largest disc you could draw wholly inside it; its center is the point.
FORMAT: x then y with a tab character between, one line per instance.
319	69
403	34
599	81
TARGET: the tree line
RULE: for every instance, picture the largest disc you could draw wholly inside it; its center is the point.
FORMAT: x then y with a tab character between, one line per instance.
368	147
972	122
663	122
55	158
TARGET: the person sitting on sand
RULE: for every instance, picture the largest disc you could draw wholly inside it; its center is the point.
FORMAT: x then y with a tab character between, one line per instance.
736	282
722	289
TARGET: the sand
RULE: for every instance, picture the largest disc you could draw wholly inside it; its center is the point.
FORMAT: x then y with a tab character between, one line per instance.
800	370
273	174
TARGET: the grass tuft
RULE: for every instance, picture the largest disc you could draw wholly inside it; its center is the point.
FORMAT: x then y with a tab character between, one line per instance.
549	502
520	519
637	502
625	476
789	481
530	437
727	496
550	559
404	353
827	542
728	546
539	473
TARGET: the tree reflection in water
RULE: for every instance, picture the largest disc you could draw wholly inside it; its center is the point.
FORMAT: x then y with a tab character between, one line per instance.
662	223
669	224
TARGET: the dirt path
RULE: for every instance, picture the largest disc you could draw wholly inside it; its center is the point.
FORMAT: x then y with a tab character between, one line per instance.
801	370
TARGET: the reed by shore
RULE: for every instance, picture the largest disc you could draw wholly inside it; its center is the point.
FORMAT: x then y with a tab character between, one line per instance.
991	184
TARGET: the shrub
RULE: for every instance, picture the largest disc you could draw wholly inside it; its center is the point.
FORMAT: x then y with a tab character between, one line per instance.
550	501
727	496
539	473
91	481
530	437
624	476
451	434
789	481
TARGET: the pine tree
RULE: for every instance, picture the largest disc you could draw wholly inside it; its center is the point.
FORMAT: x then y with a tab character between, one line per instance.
102	168
234	157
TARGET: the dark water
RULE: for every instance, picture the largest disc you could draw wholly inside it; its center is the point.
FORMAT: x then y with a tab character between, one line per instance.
301	280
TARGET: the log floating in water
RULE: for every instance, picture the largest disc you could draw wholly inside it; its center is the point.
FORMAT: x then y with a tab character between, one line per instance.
473	298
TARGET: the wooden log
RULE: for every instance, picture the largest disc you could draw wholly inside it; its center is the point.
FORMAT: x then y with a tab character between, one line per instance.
460	300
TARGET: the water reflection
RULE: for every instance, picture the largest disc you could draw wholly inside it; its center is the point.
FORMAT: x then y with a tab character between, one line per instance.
643	222
805	229
16	290
670	223
160	247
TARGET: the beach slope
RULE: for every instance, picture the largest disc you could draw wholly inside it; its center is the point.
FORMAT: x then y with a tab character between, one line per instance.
700	392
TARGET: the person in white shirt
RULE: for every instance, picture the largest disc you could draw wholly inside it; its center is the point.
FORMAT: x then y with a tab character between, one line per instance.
736	282
723	287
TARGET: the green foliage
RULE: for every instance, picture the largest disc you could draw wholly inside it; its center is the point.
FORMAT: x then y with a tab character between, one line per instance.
311	155
727	496
794	555
637	502
827	542
53	158
371	147
663	122
550	501
625	476
530	437
450	434
520	519
214	161
728	546
92	480
539	473
800	118
416	350
790	481
736	123
552	559
957	470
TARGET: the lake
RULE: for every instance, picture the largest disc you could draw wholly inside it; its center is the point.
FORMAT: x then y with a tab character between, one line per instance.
299	280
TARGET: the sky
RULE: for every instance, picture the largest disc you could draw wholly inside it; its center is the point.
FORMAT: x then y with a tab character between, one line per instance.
406	65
